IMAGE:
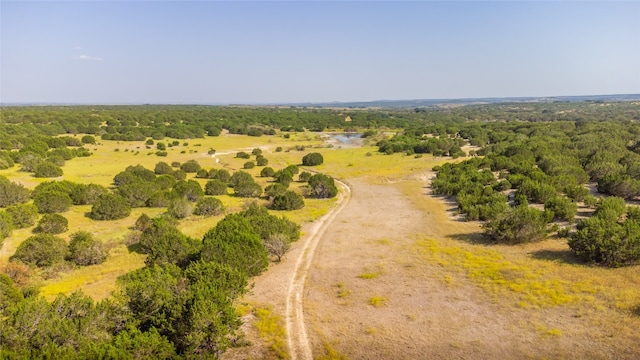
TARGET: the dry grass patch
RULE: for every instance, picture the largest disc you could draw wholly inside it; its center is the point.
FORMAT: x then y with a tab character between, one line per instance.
378	301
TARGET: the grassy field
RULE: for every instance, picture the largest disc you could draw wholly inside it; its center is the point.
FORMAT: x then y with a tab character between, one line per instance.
111	157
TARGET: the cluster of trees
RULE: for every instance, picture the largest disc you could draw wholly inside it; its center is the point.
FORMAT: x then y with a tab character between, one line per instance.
180	305
549	164
46	249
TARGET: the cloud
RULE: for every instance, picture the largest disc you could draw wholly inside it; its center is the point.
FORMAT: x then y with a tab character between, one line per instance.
87	58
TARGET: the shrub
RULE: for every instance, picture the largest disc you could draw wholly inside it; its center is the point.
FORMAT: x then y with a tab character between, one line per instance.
562	207
518	225
209	206
261	161
6	225
161	146
23	215
51	201
88	139
304	176
12	193
165	244
41	250
274	190
256	151
312	159
190	166
267	172
84	250
243	155
143	222
180	208
110	207
52	224
240	177
322	186
249	165
162	168
221	174
190	189
215	187
279	148
247	189
47	169
603	241
288	201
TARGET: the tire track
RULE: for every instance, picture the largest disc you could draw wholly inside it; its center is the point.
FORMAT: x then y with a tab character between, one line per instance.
297	339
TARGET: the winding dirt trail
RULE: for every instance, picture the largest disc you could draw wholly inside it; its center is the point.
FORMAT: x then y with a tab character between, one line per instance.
297	339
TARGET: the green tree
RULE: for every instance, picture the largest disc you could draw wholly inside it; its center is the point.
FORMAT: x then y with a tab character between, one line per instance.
190	166
6	226
190	189
165	244
247	189
84	250
12	193
110	207
215	187
23	215
162	168
209	206
521	224
180	208
312	159
322	186
290	200
47	169
41	250
267	172
52	201
52	224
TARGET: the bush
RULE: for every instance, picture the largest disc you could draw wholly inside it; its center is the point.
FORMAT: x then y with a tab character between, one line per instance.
249	165
247	189
12	193
190	166
180	208
312	159
23	215
562	207
518	225
162	168
88	139
52	201
267	172
47	169
240	177
603	241
110	207
322	186
190	189
215	187
143	222
6	225
209	206
165	244
41	250
261	161
274	190
304	176
52	224
256	151
84	250
288	201
243	155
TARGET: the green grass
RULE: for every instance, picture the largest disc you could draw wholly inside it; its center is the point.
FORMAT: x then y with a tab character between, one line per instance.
377	301
272	331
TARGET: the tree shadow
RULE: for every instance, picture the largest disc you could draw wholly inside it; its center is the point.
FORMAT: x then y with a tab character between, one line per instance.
635	311
475	238
135	248
564	256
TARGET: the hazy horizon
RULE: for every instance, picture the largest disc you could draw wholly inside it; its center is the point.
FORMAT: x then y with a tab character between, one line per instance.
314	52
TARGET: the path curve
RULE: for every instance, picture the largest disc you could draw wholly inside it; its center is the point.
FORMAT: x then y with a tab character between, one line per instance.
297	339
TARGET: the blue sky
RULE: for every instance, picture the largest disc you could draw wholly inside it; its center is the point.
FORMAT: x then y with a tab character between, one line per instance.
281	52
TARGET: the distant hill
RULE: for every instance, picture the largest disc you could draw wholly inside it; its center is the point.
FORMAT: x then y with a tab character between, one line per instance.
417	103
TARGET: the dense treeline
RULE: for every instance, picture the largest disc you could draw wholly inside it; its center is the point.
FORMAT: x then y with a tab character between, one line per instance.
550	164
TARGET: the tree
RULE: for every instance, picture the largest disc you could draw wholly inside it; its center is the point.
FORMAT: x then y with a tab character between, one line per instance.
52	224
41	250
23	215
110	207
6	226
180	208
215	187
190	166
312	159
247	189
84	250
249	165
261	160
277	245
88	139
563	208
322	186
267	172
233	241
162	168
209	206
47	169
290	200
275	189
165	244
52	201
304	176
521	224
12	193
240	177
190	189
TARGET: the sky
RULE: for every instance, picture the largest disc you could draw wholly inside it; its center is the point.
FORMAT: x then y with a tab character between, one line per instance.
215	52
